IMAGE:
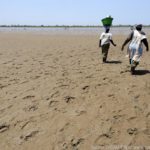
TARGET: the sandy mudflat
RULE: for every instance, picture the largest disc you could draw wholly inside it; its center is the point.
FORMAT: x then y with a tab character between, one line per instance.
55	94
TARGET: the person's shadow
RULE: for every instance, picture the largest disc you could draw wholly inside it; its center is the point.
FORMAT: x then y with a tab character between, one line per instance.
141	72
114	62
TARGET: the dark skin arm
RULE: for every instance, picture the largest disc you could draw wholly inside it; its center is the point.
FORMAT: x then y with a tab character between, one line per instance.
146	44
99	43
112	42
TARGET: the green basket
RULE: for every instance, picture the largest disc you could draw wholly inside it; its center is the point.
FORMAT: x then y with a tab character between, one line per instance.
107	21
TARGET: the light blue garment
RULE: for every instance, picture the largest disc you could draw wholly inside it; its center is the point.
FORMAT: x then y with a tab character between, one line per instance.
135	53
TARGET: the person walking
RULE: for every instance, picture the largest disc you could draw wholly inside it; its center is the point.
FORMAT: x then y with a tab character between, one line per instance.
104	43
136	38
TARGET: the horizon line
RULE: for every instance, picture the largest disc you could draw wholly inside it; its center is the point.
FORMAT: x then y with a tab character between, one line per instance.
20	25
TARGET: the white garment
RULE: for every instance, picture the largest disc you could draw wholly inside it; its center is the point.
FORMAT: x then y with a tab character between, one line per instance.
136	46
105	38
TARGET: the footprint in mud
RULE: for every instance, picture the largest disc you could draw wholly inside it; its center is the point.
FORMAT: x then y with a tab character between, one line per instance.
124	71
8	62
52	103
136	97
80	112
105	78
64	127
14	81
31	108
148	115
98	85
64	73
41	62
69	99
28	97
55	94
4	127
76	142
23	82
132	118
29	135
132	131
111	95
18	67
72	144
104	138
117	117
89	76
24	124
30	71
3	86
86	88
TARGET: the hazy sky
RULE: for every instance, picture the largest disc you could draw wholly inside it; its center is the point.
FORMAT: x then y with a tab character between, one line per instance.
73	12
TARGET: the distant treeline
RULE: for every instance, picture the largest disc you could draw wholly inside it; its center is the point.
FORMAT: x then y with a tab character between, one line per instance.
64	26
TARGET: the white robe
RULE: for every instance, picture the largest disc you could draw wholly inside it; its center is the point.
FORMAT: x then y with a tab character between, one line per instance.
136	46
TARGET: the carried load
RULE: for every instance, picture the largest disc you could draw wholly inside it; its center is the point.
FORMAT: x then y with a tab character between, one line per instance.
107	22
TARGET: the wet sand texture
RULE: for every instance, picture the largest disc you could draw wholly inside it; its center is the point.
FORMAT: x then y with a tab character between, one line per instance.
55	94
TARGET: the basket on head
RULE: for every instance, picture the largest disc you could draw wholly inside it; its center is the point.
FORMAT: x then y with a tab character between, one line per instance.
107	21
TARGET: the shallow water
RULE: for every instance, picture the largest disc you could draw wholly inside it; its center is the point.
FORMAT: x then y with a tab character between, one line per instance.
76	31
